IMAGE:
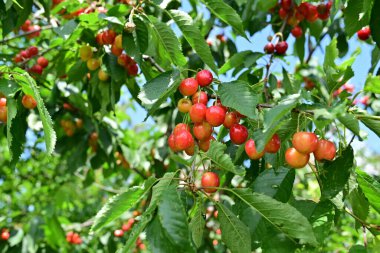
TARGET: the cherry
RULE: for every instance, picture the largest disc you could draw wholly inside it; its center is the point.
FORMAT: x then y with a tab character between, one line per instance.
36	69
205	144
309	84
219	103
364	33
203	99
29	102
3	114
73	238
230	119
364	100
17	58
297	31
325	150
293	21
202	131
209	181
312	13
281	47
204	78
181	126
99	39
171	143
115	50
118	41
238	134
190	150
305	142
85	52
93	64
323	11
25	26
250	149
188	86
221	38
184	105
32	50
3	101
282	13
198	112
25	54
183	140
215	115
42	61
108	37
296	159
79	123
124	60
37	32
269	48
132	69
118	233
286	4
273	145
102	75
5	235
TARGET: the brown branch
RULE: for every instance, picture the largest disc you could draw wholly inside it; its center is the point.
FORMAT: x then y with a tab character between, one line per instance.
312	50
26	34
153	62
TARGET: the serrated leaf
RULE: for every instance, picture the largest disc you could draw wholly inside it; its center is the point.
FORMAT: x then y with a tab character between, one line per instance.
67	29
359	204
372	84
158	240
174	219
197	225
169	42
141	34
349	121
371	124
192	34
239	59
356	16
227	14
275	183
8	87
275	114
220	159
330	55
240	96
370	188
234	233
158	89
282	216
119	10
335	174
120	203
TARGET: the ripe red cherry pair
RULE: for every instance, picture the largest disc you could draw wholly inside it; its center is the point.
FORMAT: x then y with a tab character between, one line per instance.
272	146
280	48
73	238
181	138
189	86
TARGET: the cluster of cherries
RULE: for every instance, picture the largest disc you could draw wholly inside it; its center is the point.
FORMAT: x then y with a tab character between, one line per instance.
305	143
5	234
70	126
28	53
33	30
73	238
79	11
124	228
27	101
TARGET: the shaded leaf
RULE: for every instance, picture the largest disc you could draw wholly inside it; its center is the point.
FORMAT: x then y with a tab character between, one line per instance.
197	225
370	188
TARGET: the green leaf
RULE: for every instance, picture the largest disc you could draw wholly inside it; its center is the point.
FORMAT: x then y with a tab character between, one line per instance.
371	124
192	34
265	5
234	233
375	58
370	188
54	234
8	87
158	89
358	249
240	96
239	59
282	216
119	10
169	42
141	34
220	159
158	240
359	204
197	225
49	133
349	121
300	47
120	203
335	174
277	183
275	114
67	29
227	14
330	55
372	84
174	219
116	71
356	16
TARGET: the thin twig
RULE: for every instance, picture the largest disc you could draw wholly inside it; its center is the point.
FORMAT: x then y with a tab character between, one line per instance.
153	62
312	50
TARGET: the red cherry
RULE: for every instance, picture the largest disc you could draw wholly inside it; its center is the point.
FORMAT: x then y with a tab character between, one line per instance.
269	48
29	102
32	50
219	103
364	100
42	61
286	4
5	235
36	69
312	13
3	114
115	50
188	86
349	87
282	13
25	54
118	233
126	227
17	58
305	142
210	180
296	159
205	144
273	145
198	112
250	149
230	119
108	37
133	69
204	78
99	39
3	102
190	150
323	11
181	126
303	9
324	16
25	26
171	143
329	4
364	33
37	32
238	134
325	150
203	99
281	47
202	131
184	105
309	84
215	115
183	140
297	31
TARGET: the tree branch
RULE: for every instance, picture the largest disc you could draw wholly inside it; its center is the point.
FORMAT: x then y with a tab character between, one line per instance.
153	62
26	34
